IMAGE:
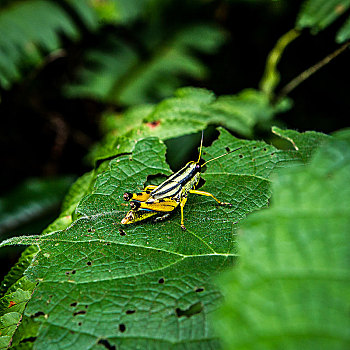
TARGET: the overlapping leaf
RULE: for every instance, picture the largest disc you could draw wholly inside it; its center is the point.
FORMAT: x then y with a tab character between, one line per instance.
146	285
291	288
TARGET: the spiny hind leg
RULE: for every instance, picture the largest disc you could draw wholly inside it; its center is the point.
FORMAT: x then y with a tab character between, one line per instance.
161	218
207	194
182	204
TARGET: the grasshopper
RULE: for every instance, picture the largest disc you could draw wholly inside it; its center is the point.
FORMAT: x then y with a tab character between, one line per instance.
166	197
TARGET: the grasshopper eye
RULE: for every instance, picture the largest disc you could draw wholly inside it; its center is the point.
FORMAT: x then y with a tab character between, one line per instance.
135	205
127	196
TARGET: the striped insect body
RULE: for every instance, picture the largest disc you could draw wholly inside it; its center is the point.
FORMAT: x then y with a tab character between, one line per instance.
163	199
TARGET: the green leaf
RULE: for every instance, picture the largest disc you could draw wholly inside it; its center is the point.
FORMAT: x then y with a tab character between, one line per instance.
291	287
189	111
305	142
319	14
146	285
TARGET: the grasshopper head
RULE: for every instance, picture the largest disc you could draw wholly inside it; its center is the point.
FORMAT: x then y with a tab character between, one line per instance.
194	166
129	218
137	215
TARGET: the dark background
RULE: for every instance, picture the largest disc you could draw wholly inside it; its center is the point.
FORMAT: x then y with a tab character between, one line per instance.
44	134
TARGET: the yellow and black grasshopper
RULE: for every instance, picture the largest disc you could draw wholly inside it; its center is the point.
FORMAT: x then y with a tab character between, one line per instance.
164	198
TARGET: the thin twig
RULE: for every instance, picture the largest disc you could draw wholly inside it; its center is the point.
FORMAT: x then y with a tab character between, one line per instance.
308	72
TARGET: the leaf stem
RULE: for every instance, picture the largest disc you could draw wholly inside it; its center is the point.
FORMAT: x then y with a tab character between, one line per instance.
308	72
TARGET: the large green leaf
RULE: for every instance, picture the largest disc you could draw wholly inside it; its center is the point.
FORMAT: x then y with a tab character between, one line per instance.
291	287
146	285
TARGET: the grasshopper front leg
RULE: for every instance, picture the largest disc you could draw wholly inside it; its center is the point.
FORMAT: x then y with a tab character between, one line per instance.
182	204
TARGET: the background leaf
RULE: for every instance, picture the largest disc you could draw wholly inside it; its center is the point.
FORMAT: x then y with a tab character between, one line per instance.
291	286
319	14
151	282
30	201
189	111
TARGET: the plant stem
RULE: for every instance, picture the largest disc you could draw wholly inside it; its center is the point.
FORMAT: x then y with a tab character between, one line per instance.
308	72
271	75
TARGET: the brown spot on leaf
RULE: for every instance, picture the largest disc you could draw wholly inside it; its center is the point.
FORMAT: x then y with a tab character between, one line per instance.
154	124
12	303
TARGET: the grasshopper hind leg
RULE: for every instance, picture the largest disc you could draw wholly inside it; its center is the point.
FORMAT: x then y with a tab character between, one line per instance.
161	218
207	194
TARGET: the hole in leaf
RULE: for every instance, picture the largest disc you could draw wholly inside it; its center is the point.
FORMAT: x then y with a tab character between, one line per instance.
73	272
122	327
241	156
129	312
89	263
106	344
227	149
79	324
264	149
74	304
39	313
86	306
122	232
90	230
272	154
28	340
192	310
198	290
81	312
161	280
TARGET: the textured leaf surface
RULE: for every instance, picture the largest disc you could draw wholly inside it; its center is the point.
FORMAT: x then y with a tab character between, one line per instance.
291	287
146	285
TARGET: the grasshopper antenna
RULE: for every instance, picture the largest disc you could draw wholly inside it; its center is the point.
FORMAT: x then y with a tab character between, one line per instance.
200	148
223	155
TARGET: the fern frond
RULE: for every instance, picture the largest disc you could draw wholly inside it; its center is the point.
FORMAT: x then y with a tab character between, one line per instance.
26	29
120	75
